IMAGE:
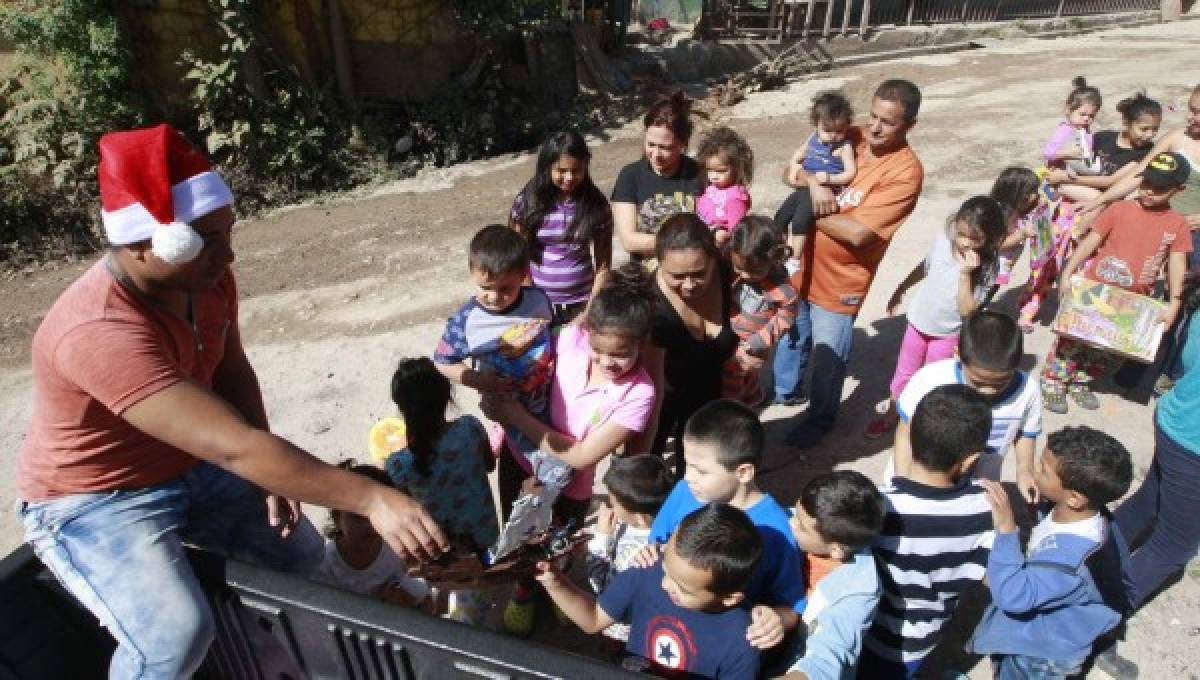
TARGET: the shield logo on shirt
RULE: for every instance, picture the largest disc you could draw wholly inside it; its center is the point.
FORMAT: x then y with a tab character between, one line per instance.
669	643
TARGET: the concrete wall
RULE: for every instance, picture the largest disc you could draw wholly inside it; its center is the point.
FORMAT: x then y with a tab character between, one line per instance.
400	50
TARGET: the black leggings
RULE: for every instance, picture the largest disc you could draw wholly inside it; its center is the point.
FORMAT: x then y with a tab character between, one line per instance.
796	213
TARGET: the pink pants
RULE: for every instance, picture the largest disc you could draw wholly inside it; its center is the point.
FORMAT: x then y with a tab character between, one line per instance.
916	350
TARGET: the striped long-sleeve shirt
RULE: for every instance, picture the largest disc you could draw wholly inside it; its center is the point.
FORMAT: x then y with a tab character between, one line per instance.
764	310
933	547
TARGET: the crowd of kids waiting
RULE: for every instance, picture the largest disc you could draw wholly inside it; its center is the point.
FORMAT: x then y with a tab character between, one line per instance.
656	370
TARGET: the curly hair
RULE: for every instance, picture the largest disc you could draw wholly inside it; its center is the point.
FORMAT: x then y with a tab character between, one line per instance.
725	143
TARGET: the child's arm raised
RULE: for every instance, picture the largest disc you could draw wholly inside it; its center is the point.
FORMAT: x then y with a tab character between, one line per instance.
575	604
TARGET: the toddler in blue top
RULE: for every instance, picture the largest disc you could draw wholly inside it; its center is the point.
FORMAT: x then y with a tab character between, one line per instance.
684	612
1050	606
723	443
826	156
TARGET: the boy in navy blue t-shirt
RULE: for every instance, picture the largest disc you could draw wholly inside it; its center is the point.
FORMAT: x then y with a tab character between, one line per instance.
723	443
684	613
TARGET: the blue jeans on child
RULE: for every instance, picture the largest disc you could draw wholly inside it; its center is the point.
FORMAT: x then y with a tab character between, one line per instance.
824	338
121	554
1017	667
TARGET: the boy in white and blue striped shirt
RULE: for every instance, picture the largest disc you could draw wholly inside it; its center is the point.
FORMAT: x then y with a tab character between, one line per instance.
937	533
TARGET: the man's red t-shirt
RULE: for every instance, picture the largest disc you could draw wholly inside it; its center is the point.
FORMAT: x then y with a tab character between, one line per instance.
881	196
100	350
1136	244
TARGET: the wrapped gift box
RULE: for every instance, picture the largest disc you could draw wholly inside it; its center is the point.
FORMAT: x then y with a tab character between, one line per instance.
1111	319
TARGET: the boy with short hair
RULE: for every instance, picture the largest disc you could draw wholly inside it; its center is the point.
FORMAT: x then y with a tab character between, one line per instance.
723	444
499	340
1127	248
990	348
637	487
683	611
1050	607
838	516
936	534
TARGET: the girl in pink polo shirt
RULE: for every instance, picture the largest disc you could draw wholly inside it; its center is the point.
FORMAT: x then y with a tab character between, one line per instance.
601	398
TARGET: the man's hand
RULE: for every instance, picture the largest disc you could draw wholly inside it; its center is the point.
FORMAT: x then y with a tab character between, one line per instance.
766	628
405	525
647	556
1026	485
1002	513
823	201
283	513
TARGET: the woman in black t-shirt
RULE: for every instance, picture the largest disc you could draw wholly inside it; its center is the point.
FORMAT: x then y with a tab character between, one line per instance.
662	183
691	338
1119	152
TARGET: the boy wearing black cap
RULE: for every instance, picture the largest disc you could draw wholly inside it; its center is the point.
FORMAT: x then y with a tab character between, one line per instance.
1131	240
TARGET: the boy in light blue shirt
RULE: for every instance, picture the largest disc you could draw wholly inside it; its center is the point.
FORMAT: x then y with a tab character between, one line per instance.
838	516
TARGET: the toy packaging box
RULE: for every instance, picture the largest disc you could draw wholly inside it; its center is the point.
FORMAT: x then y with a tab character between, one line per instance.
1111	319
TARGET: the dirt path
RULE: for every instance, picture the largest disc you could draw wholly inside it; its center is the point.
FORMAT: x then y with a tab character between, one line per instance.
334	294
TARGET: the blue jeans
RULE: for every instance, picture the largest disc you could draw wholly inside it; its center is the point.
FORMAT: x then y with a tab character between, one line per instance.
1017	667
1165	505
824	338
121	554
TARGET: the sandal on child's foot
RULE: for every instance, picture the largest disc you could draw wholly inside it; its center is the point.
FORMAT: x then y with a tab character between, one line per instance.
1084	397
1055	402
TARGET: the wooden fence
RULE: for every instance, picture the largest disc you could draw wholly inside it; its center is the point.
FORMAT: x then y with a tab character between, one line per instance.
786	19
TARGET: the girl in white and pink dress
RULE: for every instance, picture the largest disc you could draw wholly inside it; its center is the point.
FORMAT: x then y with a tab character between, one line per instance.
728	163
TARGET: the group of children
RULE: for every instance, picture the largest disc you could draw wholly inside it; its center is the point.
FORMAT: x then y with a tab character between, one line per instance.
709	575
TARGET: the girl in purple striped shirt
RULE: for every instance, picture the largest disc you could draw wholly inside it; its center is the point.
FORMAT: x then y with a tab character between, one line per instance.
567	223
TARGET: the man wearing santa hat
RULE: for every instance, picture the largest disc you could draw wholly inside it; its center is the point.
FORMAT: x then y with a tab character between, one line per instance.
148	426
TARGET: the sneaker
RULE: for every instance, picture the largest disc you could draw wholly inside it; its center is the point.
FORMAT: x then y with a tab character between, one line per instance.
1054	402
519	615
1116	666
1163	385
1084	397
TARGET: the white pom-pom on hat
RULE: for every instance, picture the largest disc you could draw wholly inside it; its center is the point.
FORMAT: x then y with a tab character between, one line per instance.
153	182
176	243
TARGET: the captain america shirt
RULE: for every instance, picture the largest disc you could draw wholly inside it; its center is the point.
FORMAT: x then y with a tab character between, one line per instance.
672	642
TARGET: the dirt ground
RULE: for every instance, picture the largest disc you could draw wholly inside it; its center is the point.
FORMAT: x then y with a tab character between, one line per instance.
334	294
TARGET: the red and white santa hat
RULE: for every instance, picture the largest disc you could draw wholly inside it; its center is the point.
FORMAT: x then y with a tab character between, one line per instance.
153	182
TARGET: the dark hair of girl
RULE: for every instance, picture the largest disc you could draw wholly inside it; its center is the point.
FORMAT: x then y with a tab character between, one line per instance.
673	112
984	214
422	394
725	143
830	106
1132	108
1082	93
685	231
331	530
757	239
592	212
625	306
1013	186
